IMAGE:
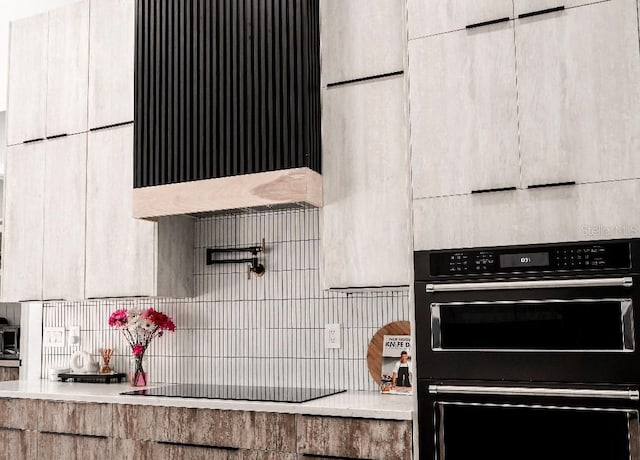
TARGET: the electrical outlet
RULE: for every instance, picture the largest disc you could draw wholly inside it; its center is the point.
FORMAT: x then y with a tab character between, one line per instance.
73	337
53	337
332	336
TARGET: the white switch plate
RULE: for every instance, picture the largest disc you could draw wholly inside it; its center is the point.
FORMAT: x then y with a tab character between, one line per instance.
53	337
332	336
73	337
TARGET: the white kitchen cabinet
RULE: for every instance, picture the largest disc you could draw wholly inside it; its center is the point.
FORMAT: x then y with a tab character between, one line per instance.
64	217
27	101
111	62
365	218
532	6
68	69
572	213
361	38
22	242
126	256
579	94
464	125
430	17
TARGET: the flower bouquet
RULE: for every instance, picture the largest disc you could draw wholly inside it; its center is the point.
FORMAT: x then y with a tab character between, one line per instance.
140	327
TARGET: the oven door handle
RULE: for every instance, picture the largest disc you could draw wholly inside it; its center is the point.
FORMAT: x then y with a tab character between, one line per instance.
537	284
633	395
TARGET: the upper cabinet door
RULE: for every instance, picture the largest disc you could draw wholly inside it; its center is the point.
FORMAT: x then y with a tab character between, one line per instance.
361	38
64	217
111	62
579	96
24	223
27	102
464	129
429	17
539	6
120	249
68	71
366	220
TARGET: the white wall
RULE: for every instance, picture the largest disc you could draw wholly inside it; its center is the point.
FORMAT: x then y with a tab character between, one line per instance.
9	11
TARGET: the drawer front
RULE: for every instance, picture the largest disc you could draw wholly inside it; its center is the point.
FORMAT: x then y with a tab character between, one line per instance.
354	438
53	446
129	449
76	418
18	444
21	414
9	373
220	428
134	422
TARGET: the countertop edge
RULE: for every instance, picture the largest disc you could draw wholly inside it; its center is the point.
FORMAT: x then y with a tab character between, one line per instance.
329	406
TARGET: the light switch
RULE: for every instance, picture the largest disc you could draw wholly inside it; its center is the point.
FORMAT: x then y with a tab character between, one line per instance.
73	338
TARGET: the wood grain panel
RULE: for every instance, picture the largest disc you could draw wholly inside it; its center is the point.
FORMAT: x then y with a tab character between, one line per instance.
9	373
75	418
71	447
20	414
300	185
17	444
235	429
354	438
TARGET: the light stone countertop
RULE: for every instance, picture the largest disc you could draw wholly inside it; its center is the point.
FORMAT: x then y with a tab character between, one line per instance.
362	404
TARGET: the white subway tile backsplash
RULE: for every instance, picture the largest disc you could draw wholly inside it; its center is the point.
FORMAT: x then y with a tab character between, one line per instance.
262	331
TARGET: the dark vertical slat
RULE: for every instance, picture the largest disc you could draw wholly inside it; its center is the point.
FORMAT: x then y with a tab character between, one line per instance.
169	71
255	86
269	85
241	88
161	74
233	89
201	88
138	164
181	93
207	81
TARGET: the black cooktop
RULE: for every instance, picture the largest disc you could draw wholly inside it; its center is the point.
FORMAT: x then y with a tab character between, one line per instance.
271	394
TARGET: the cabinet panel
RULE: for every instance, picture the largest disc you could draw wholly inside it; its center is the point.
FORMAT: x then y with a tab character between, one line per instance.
22	240
528	6
18	444
75	418
361	38
464	127
57	446
365	239
120	249
111	63
27	102
354	438
223	428
579	97
68	69
20	414
9	373
429	17
64	217
573	213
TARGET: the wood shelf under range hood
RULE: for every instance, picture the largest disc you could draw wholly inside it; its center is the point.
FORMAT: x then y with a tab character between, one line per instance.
294	187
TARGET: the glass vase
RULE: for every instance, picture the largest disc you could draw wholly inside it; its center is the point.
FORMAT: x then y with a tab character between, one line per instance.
138	375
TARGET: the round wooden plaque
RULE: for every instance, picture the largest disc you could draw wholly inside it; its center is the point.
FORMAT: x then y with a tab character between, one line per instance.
374	352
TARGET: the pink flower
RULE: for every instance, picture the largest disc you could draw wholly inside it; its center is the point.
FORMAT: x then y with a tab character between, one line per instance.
118	319
138	350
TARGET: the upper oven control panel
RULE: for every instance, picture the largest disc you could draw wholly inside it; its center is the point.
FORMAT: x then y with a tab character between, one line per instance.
585	256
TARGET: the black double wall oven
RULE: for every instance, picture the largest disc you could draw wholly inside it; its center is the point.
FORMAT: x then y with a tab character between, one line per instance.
529	352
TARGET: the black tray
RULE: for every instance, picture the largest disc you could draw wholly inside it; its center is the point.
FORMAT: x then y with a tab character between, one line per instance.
93	378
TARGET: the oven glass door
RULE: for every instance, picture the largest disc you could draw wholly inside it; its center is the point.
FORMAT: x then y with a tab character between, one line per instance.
533	325
466	431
